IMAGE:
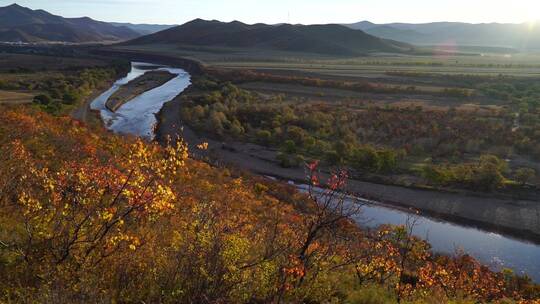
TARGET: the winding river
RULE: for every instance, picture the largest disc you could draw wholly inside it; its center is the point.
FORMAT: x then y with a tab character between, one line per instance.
137	117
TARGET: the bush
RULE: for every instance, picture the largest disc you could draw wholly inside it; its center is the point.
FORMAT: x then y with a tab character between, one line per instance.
333	158
43	99
260	188
289	161
71	97
289	147
371	295
264	137
524	175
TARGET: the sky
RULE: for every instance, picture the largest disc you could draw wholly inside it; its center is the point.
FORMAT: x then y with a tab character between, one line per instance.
292	11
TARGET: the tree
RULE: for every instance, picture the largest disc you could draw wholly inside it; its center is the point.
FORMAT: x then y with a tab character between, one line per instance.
71	96
489	172
524	175
289	147
437	175
264	137
43	99
330	208
333	158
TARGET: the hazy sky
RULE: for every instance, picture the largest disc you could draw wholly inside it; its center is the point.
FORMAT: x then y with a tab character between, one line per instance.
293	11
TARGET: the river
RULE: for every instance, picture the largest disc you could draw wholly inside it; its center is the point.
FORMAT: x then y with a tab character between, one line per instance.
137	117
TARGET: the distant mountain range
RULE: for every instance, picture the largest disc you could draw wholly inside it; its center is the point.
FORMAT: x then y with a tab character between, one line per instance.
21	24
520	36
330	39
144	29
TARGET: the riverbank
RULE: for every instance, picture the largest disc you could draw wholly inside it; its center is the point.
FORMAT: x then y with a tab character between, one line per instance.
518	218
84	113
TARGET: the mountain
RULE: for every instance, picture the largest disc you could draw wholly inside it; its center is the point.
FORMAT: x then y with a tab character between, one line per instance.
144	29
330	39
520	36
21	24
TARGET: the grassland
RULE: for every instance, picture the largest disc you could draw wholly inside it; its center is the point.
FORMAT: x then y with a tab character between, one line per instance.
376	65
10	97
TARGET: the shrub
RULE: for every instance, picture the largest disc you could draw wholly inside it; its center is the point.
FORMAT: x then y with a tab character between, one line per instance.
524	175
43	99
264	137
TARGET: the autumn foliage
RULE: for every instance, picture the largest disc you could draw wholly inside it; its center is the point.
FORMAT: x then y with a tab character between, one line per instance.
86	216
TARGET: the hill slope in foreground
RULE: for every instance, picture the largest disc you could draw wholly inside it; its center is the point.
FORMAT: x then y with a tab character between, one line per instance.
86	216
21	24
330	39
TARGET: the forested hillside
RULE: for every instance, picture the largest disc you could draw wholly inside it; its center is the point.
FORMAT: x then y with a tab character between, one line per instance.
86	216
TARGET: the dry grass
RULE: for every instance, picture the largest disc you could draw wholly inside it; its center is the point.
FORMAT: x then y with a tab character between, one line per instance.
36	63
10	97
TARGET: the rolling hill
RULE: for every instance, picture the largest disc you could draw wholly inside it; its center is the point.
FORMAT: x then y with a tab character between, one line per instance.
21	24
331	39
519	36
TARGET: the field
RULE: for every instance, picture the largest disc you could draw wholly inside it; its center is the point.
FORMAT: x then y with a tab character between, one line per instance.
9	97
55	83
373	66
17	63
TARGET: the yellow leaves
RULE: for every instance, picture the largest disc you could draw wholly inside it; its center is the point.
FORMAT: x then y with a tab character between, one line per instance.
107	215
203	146
132	242
30	204
236	248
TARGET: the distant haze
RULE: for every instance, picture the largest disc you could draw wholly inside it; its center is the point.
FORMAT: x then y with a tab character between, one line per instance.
292	11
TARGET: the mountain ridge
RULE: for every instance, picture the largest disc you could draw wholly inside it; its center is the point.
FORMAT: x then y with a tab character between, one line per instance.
329	39
22	24
514	35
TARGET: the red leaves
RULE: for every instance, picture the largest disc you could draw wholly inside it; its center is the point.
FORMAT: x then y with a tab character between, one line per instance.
313	166
338	180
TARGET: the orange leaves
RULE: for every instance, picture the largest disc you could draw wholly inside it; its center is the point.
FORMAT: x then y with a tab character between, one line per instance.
463	276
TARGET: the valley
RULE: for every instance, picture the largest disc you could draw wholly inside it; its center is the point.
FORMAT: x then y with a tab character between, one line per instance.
233	162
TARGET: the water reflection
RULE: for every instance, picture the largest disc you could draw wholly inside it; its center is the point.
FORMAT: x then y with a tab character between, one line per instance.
137	117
